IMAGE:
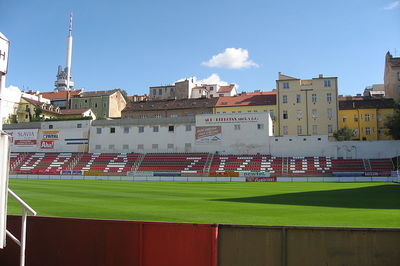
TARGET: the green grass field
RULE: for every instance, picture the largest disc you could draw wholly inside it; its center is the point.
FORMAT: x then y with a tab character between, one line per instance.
308	204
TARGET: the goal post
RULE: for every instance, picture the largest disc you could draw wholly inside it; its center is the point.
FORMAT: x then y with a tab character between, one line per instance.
4	170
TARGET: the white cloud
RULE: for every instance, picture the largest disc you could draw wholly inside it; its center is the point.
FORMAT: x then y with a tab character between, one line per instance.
234	58
392	5
213	79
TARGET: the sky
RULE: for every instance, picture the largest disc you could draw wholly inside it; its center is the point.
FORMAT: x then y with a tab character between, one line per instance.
133	45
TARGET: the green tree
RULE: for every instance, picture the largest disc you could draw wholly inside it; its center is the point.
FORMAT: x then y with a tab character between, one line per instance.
392	123
344	134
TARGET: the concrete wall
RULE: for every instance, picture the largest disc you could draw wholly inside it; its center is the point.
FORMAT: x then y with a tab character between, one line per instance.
308	246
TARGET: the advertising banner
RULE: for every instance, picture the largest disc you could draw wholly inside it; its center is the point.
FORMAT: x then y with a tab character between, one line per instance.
261	179
255	174
208	135
224	174
47	144
24	137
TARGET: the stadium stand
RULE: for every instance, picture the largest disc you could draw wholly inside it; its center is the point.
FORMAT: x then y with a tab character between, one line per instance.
44	163
173	162
246	163
118	163
195	163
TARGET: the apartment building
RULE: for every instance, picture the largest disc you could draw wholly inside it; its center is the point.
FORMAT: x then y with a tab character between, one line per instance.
392	77
366	117
307	107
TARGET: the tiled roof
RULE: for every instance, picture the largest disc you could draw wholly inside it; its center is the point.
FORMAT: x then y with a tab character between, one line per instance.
40	104
60	94
171	104
97	93
74	111
247	100
366	104
261	93
226	89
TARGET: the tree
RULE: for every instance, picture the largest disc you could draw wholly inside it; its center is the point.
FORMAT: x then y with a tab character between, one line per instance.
392	123
344	134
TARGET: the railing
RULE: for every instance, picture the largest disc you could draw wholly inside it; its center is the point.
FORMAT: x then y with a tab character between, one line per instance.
25	210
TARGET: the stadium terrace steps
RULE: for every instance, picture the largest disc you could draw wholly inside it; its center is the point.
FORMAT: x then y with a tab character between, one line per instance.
195	163
173	162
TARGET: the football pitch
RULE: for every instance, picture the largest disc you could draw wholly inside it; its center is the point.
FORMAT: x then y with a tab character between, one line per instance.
305	204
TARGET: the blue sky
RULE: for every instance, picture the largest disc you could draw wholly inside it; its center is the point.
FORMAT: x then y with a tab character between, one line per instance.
136	44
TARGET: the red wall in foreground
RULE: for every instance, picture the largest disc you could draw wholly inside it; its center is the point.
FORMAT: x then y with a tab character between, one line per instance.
74	242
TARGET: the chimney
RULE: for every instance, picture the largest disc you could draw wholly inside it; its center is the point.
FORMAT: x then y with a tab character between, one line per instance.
40	98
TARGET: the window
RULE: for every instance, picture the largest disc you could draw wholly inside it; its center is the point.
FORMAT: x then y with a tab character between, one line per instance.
211	89
174	115
170	146
398	75
155	92
344	119
327	83
125	147
260	126
76	106
142	116
188	147
286	85
367	131
141	129
380	131
315	129
329	97
299	114
50	126
314	98
236	127
299	130
126	130
26	116
367	118
356	132
104	104
171	128
85	101
330	129
298	98
155	128
154	146
111	146
284	99
285	114
355	118
112	130
140	147
98	147
98	130
378	116
314	113
160	91
79	126
95	105
157	116
188	127
221	95
329	112
285	130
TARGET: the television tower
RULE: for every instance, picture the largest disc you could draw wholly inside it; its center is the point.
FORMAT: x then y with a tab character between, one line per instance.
64	80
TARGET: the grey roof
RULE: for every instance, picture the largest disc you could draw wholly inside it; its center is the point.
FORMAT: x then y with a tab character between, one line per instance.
147	121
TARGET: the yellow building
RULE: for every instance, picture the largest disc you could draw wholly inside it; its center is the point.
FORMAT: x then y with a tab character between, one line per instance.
366	117
307	107
249	103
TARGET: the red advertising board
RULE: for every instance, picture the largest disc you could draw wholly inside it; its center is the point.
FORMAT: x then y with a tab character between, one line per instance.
25	142
47	144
